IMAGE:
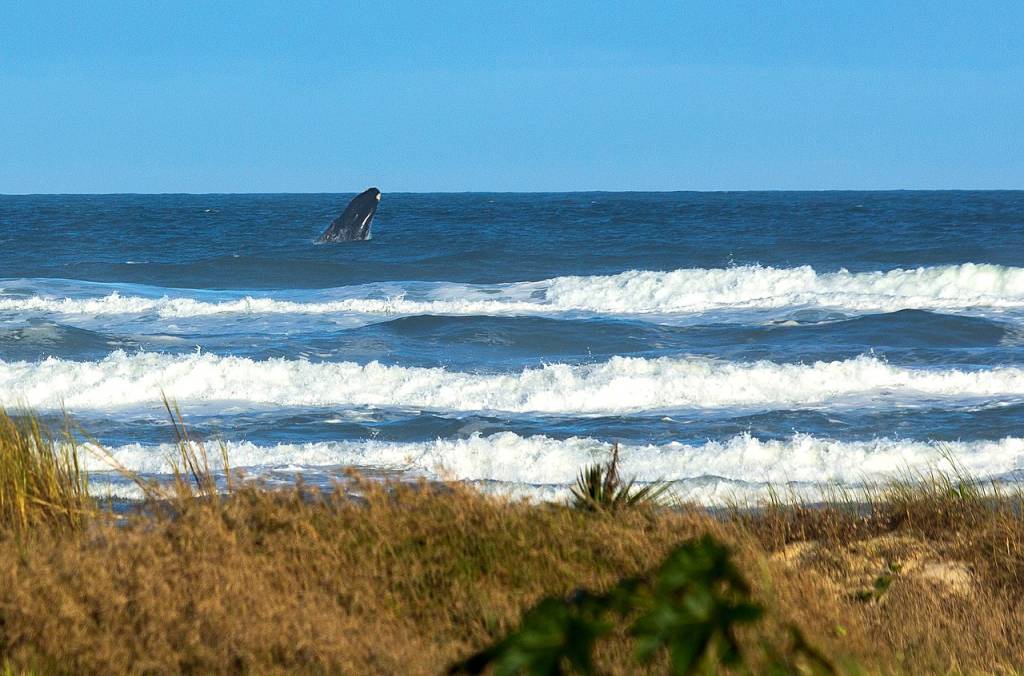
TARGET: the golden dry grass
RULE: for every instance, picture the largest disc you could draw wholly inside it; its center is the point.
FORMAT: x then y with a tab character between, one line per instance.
408	579
41	484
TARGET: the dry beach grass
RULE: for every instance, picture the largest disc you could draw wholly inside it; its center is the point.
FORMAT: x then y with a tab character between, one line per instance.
926	576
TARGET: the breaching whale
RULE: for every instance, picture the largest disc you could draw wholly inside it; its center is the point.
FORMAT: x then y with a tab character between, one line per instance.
354	222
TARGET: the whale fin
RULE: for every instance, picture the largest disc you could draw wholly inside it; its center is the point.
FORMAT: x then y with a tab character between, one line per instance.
354	223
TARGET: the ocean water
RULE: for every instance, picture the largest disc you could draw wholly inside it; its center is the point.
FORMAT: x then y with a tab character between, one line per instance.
725	340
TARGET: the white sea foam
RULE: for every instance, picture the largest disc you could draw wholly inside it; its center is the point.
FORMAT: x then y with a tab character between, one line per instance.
709	472
619	385
962	287
171	308
952	286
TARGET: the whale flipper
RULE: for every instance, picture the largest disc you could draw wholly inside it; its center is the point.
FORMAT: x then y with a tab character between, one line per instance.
354	223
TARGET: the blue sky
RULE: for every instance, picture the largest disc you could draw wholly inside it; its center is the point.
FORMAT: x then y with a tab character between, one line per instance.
451	96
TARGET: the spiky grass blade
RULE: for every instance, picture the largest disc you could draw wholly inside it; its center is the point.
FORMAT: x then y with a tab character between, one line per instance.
41	480
599	488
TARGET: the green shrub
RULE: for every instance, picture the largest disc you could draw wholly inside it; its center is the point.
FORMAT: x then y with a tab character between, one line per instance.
599	488
689	608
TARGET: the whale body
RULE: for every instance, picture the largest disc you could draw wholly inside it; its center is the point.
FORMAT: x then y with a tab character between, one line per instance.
354	223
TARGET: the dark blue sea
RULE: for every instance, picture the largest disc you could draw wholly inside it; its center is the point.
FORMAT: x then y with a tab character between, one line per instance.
725	340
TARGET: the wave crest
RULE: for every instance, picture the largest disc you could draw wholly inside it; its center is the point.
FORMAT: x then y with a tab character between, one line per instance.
968	286
952	286
619	385
538	461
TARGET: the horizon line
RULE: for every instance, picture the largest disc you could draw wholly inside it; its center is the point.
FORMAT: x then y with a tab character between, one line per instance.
514	192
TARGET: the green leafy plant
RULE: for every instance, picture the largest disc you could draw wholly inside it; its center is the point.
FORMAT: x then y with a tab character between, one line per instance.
554	634
689	608
692	606
600	488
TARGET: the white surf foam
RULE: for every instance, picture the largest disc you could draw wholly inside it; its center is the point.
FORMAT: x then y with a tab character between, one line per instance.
952	288
173	308
943	287
707	472
619	385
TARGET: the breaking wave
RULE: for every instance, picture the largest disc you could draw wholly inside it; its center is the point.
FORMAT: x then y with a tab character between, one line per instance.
618	385
968	286
540	461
